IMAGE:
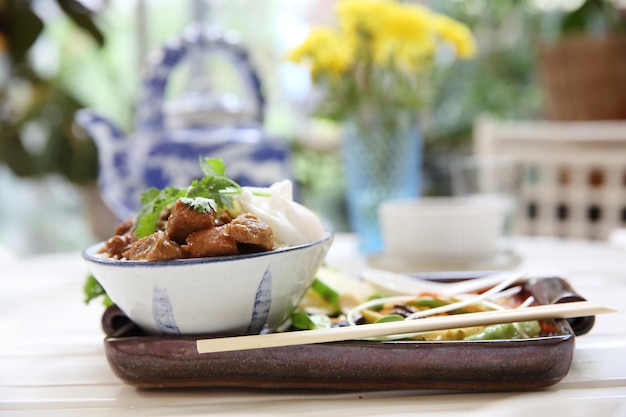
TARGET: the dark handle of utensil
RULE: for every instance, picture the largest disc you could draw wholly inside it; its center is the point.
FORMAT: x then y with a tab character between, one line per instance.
555	290
546	290
116	324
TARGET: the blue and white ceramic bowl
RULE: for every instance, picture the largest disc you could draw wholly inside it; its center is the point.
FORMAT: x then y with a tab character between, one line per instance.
234	295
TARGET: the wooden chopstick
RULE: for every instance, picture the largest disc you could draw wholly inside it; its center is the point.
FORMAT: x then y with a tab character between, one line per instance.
552	311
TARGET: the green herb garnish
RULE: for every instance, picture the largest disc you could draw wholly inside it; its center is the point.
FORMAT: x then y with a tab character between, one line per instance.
92	290
209	193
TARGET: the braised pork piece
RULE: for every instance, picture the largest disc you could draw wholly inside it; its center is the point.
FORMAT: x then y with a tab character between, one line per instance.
187	233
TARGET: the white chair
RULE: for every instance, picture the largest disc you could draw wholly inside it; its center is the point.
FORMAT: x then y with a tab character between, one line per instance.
573	174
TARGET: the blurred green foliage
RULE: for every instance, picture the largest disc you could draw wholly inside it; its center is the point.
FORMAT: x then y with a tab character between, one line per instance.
502	80
36	113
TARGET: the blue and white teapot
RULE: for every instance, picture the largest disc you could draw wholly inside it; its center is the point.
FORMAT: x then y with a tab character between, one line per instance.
163	151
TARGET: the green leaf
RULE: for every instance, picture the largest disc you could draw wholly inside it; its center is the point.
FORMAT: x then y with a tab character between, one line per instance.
208	193
149	195
200	204
376	307
93	290
390	318
146	224
506	331
328	293
212	166
83	18
304	321
22	30
154	202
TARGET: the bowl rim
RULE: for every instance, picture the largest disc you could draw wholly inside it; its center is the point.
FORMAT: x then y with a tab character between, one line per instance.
461	206
89	255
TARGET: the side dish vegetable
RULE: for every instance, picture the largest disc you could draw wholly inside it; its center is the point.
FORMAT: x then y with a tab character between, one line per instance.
334	300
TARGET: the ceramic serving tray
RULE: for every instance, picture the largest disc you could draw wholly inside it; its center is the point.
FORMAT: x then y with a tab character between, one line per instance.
498	365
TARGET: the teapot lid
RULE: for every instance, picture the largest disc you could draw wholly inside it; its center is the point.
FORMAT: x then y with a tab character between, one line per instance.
202	109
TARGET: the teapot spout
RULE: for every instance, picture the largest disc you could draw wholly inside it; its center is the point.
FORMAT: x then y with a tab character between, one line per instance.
113	171
103	131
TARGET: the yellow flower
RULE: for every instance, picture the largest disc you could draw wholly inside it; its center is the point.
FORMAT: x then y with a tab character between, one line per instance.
406	37
361	18
325	51
379	54
457	34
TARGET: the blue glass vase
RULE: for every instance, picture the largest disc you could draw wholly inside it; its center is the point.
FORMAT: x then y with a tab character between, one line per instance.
382	154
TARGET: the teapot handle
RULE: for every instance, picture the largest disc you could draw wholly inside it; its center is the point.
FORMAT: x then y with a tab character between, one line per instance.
161	63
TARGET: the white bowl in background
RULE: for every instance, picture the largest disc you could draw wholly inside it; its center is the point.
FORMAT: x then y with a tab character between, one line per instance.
444	229
233	295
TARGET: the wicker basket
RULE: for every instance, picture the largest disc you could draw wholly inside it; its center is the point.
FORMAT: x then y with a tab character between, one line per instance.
584	78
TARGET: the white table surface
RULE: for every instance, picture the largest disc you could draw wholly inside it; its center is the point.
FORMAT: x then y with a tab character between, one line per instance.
52	361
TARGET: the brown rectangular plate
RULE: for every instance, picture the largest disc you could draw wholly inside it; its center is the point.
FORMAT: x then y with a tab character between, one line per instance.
496	365
160	362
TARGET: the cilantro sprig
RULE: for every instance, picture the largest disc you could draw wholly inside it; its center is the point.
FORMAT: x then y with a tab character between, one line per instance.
209	193
92	290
